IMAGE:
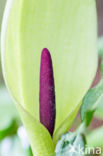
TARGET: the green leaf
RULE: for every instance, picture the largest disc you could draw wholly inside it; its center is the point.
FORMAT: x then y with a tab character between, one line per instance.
70	145
10	130
30	152
92	101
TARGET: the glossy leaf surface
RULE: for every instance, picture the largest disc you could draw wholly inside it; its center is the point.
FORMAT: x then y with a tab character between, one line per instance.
92	101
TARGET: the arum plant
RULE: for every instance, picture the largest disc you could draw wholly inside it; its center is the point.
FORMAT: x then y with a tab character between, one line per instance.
66	33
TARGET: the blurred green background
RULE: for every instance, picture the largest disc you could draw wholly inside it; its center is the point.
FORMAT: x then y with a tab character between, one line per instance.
13	138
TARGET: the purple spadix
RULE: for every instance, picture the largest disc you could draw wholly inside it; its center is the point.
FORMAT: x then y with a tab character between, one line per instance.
47	92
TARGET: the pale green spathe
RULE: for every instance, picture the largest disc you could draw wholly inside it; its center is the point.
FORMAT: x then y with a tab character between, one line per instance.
68	29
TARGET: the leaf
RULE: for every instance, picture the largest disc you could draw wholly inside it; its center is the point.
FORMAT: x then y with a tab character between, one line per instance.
30	152
10	130
70	144
92	101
